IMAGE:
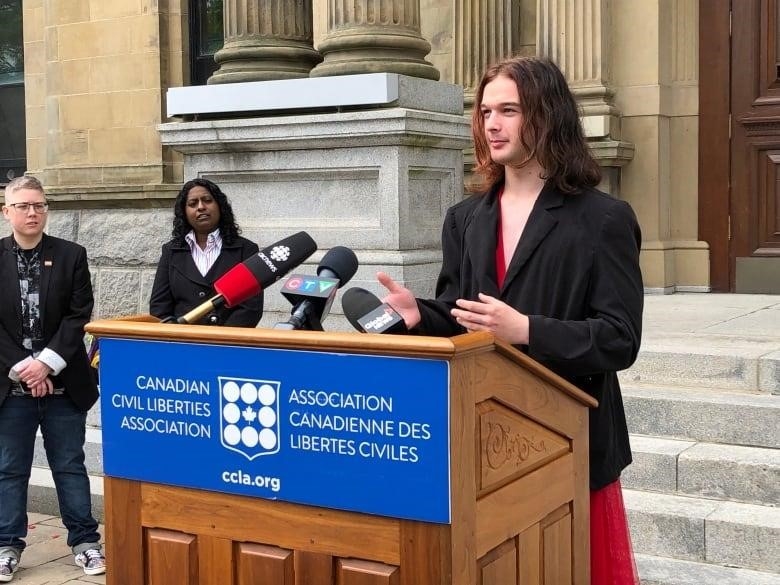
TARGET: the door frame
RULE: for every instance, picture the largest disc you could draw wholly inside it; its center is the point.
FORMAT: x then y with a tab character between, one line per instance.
715	138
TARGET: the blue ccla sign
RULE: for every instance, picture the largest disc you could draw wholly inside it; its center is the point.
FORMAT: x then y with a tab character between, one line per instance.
353	432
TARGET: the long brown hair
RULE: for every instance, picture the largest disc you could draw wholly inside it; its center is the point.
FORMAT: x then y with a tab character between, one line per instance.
551	133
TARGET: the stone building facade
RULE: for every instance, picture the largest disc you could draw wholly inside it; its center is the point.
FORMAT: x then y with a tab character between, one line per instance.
96	75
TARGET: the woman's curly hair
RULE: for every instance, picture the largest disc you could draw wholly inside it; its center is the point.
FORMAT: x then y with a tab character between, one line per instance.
228	228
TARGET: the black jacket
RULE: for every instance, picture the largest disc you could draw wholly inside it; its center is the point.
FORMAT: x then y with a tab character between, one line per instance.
576	274
180	287
66	303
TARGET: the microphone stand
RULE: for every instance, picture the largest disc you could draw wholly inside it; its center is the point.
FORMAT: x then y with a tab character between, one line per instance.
304	317
198	312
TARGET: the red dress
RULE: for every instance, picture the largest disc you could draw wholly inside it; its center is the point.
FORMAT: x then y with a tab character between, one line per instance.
611	555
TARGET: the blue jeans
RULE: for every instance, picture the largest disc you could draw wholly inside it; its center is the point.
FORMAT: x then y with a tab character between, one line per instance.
63	429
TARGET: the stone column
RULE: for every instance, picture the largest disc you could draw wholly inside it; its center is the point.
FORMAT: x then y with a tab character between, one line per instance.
264	40
573	33
483	36
374	36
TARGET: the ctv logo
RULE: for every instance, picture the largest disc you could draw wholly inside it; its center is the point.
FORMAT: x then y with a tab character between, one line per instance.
311	285
249	416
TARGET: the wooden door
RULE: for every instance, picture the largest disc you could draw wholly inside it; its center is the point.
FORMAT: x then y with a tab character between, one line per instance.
755	161
739	166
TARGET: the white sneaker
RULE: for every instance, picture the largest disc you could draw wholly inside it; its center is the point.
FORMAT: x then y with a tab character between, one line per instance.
92	561
8	566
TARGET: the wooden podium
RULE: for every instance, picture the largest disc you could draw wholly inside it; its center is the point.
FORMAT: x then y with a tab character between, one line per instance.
519	496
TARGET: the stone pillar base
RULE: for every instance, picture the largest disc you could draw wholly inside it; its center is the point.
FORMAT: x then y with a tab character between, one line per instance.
374	36
675	266
265	40
377	181
263	61
375	51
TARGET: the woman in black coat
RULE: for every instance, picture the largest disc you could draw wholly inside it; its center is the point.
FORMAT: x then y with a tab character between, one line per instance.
543	260
205	244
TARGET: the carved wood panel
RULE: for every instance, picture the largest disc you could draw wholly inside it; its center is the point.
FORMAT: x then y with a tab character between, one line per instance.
539	555
768	219
755	147
556	542
178	558
258	563
511	445
173	558
499	566
357	572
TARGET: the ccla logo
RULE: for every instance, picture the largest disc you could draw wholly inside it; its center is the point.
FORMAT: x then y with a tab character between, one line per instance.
280	253
249	416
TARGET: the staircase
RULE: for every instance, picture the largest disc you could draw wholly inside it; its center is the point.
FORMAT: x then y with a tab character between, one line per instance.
703	408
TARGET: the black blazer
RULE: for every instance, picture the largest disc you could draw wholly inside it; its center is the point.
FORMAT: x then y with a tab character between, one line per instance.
180	287
576	274
66	305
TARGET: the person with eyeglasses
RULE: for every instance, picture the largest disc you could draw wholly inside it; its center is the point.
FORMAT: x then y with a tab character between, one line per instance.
25	207
45	380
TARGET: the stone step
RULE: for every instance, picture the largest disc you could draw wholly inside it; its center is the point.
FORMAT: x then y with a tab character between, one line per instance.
711	416
702	530
666	571
715	361
724	472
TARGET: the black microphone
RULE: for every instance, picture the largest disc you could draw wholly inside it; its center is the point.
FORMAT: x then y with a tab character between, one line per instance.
312	296
257	272
368	314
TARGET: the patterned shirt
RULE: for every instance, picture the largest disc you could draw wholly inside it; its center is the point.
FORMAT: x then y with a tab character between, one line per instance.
205	258
28	264
28	267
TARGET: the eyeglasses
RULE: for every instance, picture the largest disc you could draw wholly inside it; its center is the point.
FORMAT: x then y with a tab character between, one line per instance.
25	207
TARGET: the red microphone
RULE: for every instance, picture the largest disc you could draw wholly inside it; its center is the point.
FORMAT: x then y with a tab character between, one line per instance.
247	279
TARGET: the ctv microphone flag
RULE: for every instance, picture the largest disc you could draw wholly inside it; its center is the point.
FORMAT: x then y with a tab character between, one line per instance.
257	272
312	296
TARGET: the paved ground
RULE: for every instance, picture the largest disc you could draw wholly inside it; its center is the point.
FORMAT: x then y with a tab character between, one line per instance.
713	316
47	560
706	318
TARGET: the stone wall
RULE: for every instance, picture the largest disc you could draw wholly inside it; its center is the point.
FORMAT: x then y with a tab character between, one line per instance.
656	89
96	74
95	77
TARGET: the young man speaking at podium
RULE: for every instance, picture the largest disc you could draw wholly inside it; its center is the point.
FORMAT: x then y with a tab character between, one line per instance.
545	261
45	301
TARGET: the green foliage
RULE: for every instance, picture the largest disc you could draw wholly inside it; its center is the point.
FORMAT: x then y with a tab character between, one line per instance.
213	29
11	41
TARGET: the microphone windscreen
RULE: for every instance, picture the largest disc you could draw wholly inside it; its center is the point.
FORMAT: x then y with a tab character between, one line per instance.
341	261
356	303
264	268
237	285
